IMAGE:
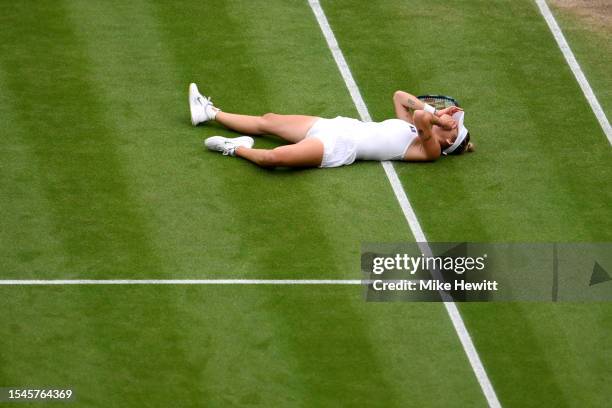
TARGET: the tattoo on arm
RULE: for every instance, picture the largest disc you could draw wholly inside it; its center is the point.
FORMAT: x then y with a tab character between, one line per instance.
411	104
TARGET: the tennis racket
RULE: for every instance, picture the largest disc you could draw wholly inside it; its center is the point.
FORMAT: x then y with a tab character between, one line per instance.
439	101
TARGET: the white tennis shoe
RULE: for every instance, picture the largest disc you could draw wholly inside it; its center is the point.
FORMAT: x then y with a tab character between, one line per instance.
202	109
227	145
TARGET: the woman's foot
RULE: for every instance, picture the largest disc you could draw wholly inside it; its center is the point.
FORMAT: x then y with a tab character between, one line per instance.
202	109
228	145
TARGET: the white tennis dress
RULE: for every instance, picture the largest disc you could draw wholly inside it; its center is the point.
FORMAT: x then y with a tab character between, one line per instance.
346	140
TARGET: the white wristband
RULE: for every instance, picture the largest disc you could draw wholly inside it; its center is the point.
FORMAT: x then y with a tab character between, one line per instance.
429	108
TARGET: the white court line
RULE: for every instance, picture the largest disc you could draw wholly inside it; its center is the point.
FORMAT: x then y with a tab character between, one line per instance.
45	282
575	67
402	198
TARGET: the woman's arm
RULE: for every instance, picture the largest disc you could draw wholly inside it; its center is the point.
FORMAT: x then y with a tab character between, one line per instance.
424	121
405	104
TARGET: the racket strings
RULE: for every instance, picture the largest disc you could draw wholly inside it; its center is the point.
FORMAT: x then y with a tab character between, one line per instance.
439	101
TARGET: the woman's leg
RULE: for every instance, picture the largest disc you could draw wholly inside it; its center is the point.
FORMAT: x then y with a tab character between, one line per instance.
307	153
292	128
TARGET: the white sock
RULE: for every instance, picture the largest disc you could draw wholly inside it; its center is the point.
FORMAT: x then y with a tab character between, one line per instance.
211	111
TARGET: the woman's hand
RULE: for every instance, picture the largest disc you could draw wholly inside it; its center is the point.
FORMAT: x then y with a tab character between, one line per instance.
450	111
446	122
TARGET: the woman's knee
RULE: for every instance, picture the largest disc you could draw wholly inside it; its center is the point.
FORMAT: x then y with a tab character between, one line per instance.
267	121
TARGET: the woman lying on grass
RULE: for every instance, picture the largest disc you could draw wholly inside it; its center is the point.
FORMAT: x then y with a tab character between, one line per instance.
420	133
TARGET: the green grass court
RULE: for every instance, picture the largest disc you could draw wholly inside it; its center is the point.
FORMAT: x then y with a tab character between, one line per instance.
103	177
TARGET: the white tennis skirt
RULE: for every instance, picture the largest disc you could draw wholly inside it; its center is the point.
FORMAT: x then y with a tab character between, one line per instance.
339	148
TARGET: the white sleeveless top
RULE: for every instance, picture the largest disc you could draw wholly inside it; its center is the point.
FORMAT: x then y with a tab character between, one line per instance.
346	140
387	140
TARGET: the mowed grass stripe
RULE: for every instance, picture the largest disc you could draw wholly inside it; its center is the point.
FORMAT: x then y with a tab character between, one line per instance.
407	209
535	163
135	79
146	96
193	207
112	40
561	344
78	156
122	359
555	353
75	155
221	54
23	206
111	347
540	172
576	69
589	38
288	223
